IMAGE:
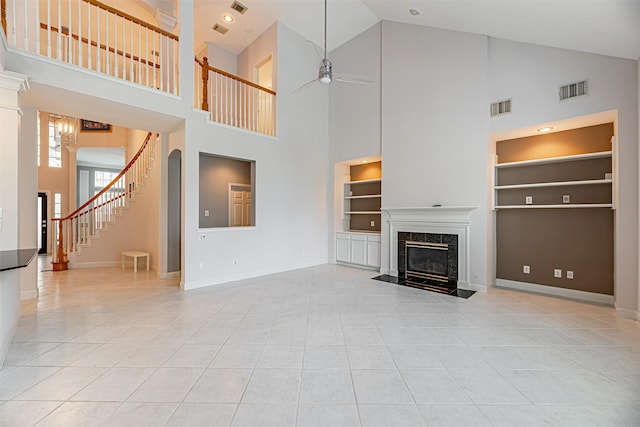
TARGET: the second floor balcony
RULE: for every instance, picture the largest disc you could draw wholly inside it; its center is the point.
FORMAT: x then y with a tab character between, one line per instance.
105	40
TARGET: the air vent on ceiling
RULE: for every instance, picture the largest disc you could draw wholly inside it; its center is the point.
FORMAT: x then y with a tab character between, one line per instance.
219	28
573	89
239	7
501	107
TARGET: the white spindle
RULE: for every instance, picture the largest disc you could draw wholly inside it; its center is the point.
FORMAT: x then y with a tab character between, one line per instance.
155	61
130	51
146	50
98	48
107	57
70	57
14	36
80	58
26	26
48	28
116	59
59	38
89	59
36	20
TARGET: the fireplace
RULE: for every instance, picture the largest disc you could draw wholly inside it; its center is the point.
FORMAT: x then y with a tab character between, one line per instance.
439	226
427	260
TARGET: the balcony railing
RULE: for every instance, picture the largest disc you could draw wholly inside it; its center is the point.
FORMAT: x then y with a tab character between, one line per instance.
234	101
94	36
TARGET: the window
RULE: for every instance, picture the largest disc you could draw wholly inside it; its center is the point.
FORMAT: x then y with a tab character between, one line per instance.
55	146
57	205
102	179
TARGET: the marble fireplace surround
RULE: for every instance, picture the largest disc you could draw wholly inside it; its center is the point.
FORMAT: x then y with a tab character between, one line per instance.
436	220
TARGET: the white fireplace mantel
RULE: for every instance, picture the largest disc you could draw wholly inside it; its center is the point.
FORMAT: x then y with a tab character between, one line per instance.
438	220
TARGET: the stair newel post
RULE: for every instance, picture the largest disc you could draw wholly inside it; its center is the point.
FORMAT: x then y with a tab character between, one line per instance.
61	262
205	83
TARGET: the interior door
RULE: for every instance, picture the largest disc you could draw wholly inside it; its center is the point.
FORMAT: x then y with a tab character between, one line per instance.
42	223
239	206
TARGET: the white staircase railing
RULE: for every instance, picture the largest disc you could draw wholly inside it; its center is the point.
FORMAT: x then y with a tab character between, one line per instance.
94	36
234	101
86	222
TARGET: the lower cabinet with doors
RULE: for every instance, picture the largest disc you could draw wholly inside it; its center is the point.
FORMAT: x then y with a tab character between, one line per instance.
361	249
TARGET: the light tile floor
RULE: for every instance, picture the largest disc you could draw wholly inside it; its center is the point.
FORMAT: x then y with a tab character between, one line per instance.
323	346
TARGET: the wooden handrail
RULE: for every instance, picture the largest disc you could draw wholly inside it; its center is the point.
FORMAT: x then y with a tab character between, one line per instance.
105	189
131	18
102	46
3	8
231	76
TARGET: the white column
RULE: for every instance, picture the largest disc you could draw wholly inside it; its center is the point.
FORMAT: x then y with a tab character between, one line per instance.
11	84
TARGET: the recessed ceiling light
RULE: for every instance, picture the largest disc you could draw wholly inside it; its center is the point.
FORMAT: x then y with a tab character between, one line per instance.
545	129
227	17
414	12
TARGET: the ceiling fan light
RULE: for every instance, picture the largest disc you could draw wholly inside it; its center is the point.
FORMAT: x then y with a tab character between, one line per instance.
325	79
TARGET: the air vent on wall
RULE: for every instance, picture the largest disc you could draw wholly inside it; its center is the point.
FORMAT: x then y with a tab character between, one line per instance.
573	89
501	107
219	28
239	7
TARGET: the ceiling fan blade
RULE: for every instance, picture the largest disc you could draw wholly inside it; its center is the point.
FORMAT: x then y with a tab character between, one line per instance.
305	86
345	78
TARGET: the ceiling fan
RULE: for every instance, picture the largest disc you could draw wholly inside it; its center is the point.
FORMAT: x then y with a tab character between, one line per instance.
325	72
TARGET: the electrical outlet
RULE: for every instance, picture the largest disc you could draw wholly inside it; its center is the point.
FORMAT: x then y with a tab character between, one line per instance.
526	269
206	212
569	274
528	200
566	198
557	273
373	223
203	236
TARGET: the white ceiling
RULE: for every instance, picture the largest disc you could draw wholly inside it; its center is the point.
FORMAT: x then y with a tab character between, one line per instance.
609	27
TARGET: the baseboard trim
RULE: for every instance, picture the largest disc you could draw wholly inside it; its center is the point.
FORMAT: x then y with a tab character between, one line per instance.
363	267
28	294
628	314
96	264
188	286
384	271
473	287
558	292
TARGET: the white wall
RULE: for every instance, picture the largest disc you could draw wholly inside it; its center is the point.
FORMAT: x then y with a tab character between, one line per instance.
434	127
265	44
531	75
290	184
638	106
354	109
220	58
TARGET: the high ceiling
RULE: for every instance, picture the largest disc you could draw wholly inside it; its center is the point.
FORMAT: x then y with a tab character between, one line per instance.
609	27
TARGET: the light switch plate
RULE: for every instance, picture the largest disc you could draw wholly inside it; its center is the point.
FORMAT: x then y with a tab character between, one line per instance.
557	273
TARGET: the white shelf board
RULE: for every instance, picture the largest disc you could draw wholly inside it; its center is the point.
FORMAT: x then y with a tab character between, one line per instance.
364	212
364	181
565	206
368	196
555	184
596	155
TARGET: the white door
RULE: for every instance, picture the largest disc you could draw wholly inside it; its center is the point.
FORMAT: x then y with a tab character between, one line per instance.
239	205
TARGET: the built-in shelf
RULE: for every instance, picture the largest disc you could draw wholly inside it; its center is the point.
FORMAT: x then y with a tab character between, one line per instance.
555	184
364	181
368	196
586	156
565	206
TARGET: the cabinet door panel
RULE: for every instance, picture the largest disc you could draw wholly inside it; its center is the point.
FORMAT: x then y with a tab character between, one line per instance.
373	254
342	250
358	251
